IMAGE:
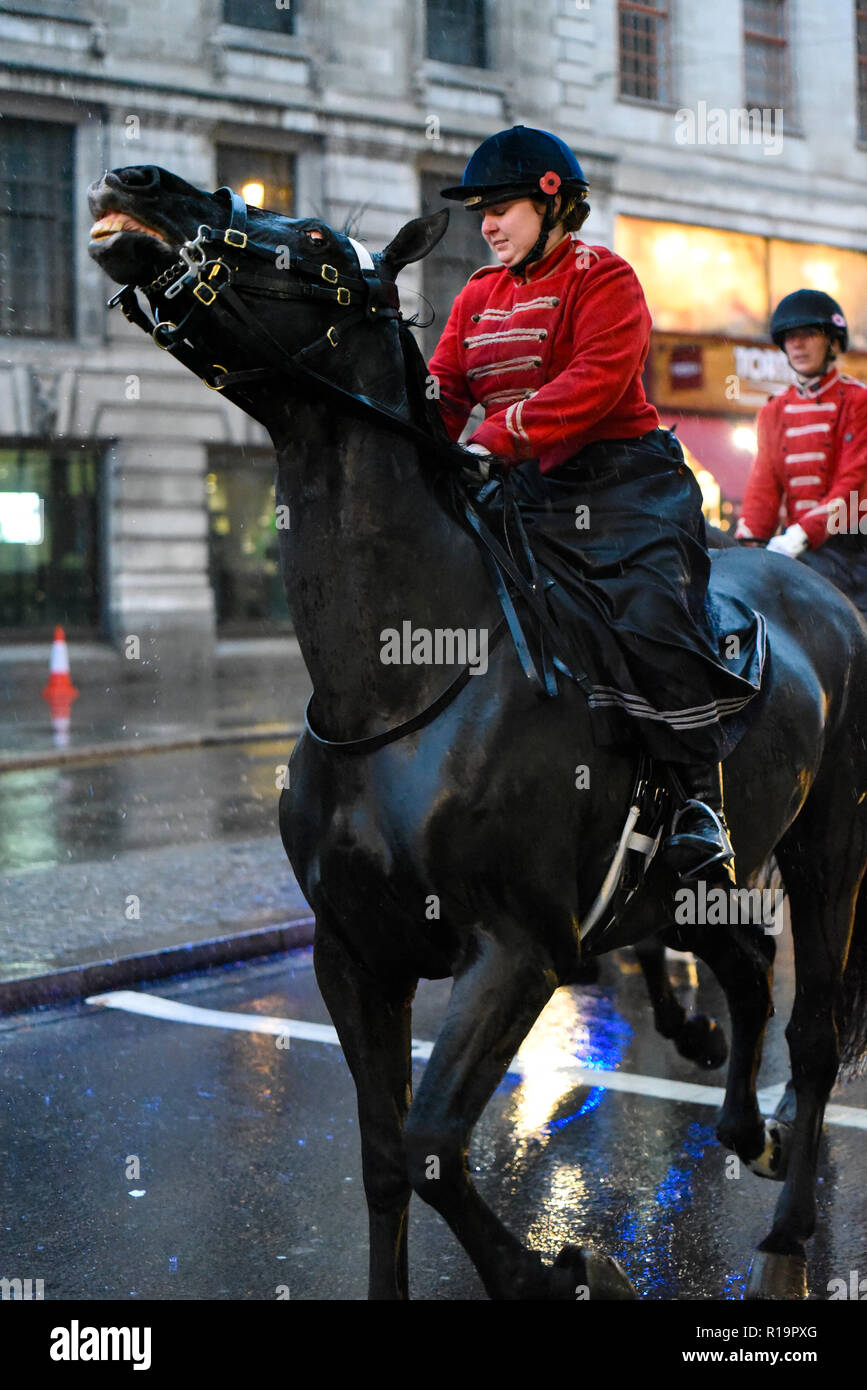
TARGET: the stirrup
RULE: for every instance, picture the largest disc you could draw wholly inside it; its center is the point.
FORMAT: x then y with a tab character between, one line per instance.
724	856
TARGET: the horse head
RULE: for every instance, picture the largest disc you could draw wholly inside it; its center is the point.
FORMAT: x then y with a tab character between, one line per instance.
305	283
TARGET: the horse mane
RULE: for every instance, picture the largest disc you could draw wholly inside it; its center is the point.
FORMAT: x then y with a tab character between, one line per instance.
422	410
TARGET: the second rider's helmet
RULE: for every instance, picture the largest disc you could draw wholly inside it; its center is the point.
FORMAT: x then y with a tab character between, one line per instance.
809	309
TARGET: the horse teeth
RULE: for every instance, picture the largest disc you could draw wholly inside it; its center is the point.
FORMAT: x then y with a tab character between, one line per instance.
120	222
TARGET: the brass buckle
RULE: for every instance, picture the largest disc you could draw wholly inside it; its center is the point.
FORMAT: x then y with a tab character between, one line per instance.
215	367
332	340
201	290
232	237
343	295
166	323
333	277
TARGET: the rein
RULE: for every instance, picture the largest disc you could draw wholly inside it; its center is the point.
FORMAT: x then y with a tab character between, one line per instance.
210	269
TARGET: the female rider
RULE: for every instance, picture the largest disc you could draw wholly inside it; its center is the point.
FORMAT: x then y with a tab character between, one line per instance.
552	343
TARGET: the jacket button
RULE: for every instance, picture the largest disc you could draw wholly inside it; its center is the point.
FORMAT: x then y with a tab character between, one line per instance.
848	438
555	301
475	317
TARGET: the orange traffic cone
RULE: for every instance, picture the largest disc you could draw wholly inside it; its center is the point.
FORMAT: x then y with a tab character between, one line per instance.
59	687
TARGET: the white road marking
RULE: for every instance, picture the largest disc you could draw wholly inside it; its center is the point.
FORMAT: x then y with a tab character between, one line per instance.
632	1083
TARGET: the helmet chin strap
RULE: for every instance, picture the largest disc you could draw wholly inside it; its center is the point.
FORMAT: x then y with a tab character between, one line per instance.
538	246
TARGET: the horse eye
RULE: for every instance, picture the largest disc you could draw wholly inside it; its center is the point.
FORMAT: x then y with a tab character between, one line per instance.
316	237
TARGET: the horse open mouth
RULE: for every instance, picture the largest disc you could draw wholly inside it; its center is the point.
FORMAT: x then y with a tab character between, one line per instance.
114	224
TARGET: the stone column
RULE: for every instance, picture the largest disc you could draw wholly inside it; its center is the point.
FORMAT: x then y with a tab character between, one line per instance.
156	555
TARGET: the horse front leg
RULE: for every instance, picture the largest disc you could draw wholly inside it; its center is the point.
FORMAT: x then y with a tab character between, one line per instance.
493	1005
374	1022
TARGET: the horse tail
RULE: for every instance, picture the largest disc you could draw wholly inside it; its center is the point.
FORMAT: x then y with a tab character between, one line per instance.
853	1013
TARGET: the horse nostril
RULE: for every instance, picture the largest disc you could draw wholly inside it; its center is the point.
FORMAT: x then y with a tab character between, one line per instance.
144	177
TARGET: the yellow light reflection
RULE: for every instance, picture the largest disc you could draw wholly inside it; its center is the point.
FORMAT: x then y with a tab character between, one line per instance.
549	1047
254	194
743	437
822	276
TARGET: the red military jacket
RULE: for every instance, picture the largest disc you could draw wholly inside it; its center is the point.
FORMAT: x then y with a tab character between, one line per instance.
812	451
554	356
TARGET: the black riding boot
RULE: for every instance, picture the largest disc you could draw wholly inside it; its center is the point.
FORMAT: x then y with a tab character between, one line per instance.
699	845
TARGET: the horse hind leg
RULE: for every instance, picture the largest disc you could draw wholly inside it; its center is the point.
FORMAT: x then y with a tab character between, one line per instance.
374	1026
822	881
696	1036
493	1005
741	958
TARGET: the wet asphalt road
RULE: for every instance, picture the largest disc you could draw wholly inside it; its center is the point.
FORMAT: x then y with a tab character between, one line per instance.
249	1160
101	810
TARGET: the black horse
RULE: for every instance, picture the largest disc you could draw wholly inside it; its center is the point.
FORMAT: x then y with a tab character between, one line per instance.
432	818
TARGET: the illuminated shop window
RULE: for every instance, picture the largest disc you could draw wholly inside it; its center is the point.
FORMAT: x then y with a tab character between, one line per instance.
49	538
244	559
698	279
796	265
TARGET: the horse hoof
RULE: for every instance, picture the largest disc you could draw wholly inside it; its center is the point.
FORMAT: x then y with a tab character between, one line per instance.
777	1276
595	1276
773	1161
702	1041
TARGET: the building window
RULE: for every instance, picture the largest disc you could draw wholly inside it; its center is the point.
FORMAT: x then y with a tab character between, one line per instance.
49	538
861	38
244	553
766	61
276	15
451	263
456	32
264	178
644	51
36	229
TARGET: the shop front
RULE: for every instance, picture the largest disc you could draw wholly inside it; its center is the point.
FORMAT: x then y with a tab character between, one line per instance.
712	365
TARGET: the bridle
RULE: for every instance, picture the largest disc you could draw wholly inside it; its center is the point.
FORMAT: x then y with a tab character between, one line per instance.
210	270
216	262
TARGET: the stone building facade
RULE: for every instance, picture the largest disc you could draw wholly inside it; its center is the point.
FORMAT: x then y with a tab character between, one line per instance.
366	110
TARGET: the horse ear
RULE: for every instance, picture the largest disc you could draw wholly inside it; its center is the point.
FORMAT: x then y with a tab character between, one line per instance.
414	240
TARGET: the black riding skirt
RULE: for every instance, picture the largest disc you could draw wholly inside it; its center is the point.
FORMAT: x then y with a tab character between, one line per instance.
619	528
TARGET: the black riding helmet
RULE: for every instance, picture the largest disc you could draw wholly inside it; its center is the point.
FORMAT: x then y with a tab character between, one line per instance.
522	163
809	309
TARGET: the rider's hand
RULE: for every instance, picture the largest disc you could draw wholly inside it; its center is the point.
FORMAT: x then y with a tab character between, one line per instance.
792	542
744	536
480	468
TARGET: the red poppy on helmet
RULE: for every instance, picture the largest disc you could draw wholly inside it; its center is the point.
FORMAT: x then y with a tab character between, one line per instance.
550	182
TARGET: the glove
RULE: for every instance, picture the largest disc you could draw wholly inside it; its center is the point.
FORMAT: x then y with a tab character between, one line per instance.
792	542
479	470
744	536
